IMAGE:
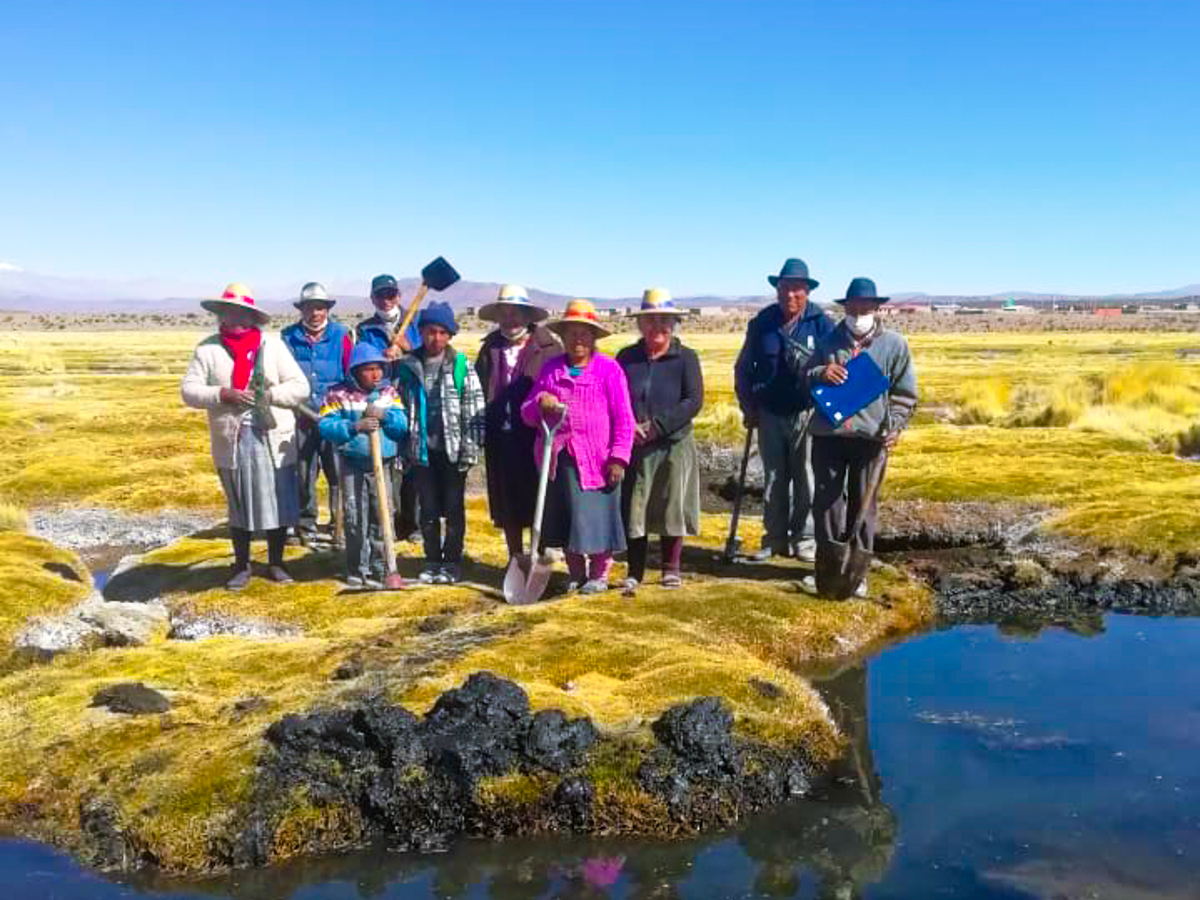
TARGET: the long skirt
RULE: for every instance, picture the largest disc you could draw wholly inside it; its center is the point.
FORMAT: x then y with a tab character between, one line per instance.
258	496
581	521
512	476
662	490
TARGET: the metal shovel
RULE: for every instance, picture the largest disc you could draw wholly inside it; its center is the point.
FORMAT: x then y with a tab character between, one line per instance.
528	574
841	565
437	276
733	543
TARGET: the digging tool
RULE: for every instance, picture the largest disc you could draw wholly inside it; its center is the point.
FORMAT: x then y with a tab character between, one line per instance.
393	581
842	565
339	508
437	276
733	543
521	588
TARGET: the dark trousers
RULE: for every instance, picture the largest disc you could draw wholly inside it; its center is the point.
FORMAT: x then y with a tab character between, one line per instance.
364	535
405	505
441	488
842	466
672	555
315	455
276	538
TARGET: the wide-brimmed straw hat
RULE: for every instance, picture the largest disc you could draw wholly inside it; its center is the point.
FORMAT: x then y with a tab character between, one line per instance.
582	312
515	296
314	292
658	302
862	289
793	269
237	296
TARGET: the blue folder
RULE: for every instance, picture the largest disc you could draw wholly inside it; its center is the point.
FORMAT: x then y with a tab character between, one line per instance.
864	382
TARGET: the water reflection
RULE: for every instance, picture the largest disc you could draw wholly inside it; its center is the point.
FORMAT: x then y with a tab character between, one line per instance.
979	765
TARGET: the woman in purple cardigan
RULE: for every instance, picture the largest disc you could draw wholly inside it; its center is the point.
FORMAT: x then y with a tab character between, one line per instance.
583	502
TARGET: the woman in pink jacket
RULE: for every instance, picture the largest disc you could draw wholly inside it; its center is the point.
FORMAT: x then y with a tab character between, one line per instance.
591	448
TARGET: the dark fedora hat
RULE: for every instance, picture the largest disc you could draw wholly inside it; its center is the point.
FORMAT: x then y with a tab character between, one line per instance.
796	269
862	289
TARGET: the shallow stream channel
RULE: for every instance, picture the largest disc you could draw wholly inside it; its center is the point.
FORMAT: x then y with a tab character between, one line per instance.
984	763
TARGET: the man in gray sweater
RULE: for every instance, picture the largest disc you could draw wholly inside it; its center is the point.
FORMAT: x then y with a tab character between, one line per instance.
845	455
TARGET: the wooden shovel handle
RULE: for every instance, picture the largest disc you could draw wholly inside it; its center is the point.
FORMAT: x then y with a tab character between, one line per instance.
385	509
411	311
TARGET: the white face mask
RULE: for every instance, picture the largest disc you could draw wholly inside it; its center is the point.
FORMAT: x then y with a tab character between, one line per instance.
392	314
861	325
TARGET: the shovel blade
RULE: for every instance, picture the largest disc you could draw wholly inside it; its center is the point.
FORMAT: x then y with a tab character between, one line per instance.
515	578
439	274
832	570
526	580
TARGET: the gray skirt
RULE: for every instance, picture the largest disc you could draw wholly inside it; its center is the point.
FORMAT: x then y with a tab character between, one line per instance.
662	493
578	520
258	496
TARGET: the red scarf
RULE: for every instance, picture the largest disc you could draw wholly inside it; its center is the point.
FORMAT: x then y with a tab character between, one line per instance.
243	347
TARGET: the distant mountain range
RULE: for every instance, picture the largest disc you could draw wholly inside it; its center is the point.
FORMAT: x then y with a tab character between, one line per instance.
35	292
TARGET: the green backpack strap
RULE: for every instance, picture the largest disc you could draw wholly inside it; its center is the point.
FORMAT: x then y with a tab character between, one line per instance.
460	371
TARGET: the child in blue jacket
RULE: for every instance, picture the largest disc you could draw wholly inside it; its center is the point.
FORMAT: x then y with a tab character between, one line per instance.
363	403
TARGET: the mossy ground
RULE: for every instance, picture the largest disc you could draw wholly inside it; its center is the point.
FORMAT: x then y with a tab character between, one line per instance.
39	579
177	779
96	418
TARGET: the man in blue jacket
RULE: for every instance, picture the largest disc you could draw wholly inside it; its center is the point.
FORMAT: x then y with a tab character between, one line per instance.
380	329
322	348
771	391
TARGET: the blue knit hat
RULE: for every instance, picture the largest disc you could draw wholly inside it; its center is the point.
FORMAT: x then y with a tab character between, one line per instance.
438	313
364	354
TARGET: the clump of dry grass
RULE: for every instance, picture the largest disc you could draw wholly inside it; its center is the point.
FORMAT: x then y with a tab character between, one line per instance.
13	517
1153	402
39	580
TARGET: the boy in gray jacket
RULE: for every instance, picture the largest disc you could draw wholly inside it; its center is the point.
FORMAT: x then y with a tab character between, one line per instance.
445	405
845	455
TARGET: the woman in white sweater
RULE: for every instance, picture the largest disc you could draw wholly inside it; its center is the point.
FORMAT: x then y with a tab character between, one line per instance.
249	383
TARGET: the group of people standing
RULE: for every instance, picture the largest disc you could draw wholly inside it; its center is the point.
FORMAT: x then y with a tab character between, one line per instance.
623	460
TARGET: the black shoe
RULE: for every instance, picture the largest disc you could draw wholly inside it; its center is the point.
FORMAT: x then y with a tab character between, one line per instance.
240	579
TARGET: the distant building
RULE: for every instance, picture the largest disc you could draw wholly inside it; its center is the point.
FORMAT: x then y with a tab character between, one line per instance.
905	309
1010	306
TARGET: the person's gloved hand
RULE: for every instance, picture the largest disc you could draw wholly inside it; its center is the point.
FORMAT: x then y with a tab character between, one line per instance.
614	473
234	397
891	439
750	419
366	425
464	465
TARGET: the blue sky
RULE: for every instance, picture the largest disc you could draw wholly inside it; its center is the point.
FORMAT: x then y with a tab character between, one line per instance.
597	148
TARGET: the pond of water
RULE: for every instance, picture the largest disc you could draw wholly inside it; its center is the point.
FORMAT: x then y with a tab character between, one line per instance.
982	765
